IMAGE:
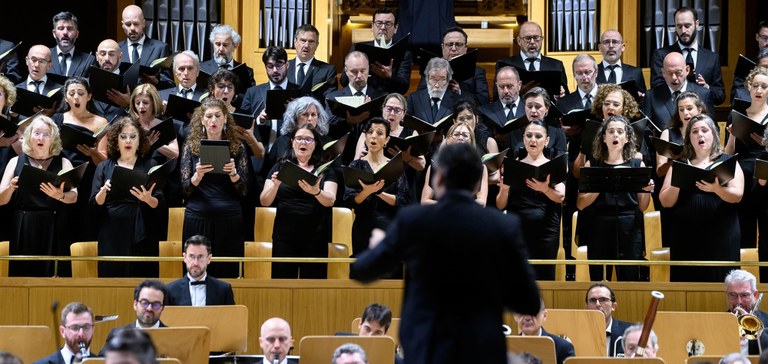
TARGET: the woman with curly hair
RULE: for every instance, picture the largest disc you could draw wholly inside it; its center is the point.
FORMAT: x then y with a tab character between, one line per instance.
125	230
615	218
214	199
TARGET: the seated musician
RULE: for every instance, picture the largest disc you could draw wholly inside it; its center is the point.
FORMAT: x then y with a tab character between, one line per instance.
601	297
632	339
742	296
531	326
276	341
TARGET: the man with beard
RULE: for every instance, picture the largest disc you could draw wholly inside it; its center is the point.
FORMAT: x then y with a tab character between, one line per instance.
108	57
703	64
224	41
307	71
197	288
149	299
76	328
530	58
65	60
139	47
433	103
611	69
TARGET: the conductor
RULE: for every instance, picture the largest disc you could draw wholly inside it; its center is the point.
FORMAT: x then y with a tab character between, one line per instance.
465	264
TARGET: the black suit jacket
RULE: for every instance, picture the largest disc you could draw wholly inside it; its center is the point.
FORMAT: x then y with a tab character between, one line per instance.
628	73
254	102
707	64
49	86
318	71
570	102
546	64
81	61
217	292
475	88
563	349
11	68
150	51
401	75
210	67
436	327
339	126
754	349
660	106
617	330
54	358
420	105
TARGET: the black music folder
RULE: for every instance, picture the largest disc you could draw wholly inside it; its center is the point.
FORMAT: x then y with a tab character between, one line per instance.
335	148
744	65
71	136
244	121
516	172
216	153
614	179
588	135
355	105
390	172
103	81
290	173
277	100
494	161
631	87
741	105
667	148
419	143
123	179
10	127
167	133
31	178
384	55
5	56
575	117
157	65
685	176
508	126
761	169
27	100
180	108
549	80
421	126
463	66
742	128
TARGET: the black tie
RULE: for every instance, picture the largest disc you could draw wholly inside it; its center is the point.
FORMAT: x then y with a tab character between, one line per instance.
588	103
63	63
38	88
675	95
435	100
185	92
278	87
531	62
300	75
197	283
612	74
358	93
689	62
135	53
510	112
224	66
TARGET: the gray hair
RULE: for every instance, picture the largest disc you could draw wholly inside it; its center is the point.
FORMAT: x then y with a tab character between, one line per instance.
438	64
8	358
583	58
652	337
735	358
762	54
189	54
296	108
739	275
26	144
348	348
223	29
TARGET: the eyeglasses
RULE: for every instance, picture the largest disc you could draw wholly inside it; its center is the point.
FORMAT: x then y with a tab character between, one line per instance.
742	295
393	110
275	65
460	135
304	140
587	74
154	305
39	61
224	86
41	135
458	45
529	38
384	24
602	300
128	136
77	328
437	82
610	42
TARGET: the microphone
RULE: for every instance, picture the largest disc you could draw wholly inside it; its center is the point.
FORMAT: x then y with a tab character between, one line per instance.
615	344
276	359
54	311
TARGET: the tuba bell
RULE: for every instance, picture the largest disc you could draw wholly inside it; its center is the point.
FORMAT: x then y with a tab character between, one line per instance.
750	326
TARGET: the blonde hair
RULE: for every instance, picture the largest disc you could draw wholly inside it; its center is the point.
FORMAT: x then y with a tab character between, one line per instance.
55	148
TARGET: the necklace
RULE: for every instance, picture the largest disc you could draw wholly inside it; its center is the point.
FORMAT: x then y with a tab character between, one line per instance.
39	162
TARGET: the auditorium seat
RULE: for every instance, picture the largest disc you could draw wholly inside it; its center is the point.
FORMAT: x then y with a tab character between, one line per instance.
652	222
4	250
84	268
393	332
578	252
341	229
29	343
560	268
258	249
264	222
175	223
170	269
338	270
319	349
659	273
159	360
750	255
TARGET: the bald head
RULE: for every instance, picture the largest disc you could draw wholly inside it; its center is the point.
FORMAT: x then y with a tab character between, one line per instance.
133	22
275	322
674	70
275	339
108	55
38	61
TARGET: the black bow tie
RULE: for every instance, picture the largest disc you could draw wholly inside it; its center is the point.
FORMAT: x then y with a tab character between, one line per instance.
196	283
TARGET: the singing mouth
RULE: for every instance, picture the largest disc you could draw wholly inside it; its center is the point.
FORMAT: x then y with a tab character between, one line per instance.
615	142
77	105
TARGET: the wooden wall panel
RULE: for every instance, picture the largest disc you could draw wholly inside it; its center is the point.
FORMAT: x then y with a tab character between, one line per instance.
263	304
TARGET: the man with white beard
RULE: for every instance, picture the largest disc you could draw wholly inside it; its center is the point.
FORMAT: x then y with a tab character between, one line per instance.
433	103
224	40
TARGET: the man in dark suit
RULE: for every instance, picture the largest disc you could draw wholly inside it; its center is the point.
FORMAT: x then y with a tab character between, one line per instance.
108	57
600	297
10	69
224	41
509	104
197	288
740	91
632	339
307	71
149	299
38	62
76	328
742	295
65	61
612	69
704	65
530	58
455	44
349	353
392	77
276	341
738	82
434	102
431	239
659	103
530	325
139	47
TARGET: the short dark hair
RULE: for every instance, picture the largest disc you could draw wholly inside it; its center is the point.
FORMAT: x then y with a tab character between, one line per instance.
135	342
595	285
460	165
379	313
377	120
278	53
75	308
198	240
306	28
222	74
685	9
384	10
150	283
64	15
762	24
454	29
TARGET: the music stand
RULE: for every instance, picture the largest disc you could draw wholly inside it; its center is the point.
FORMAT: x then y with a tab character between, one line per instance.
618	180
701	359
584	328
718	331
598	360
393	332
191	345
29	343
319	349
543	347
228	324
